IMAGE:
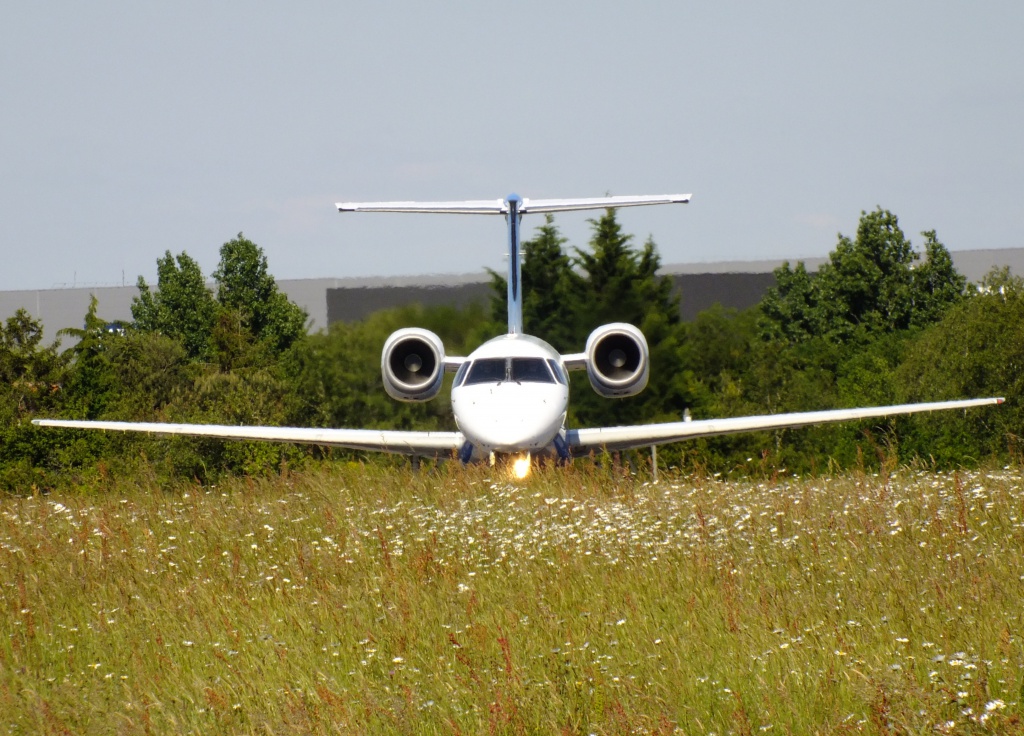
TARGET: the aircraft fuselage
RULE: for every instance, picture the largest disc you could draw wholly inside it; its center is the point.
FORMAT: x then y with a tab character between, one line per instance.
511	396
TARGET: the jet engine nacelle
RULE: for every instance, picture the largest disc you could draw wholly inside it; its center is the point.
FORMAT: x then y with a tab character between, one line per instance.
412	364
618	361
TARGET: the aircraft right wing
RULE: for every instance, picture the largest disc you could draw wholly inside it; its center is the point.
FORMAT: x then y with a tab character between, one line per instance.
379	440
645	435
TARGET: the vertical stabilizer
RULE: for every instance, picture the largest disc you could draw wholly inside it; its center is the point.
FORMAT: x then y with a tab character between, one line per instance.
515	266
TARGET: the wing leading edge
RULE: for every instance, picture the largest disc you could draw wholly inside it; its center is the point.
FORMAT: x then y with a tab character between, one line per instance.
380	440
445	443
624	438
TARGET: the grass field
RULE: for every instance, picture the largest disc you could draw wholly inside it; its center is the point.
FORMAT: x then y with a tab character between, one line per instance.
364	601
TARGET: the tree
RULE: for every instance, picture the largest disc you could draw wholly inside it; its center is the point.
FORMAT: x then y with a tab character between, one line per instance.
873	284
92	383
22	359
867	281
976	350
618	283
183	308
31	382
838	338
31	375
160	369
252	306
1001	281
790	309
937	284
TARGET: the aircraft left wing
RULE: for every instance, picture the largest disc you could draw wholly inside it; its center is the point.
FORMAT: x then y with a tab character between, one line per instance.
624	438
380	440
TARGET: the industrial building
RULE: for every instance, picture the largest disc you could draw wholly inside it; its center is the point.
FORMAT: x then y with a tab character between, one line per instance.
737	284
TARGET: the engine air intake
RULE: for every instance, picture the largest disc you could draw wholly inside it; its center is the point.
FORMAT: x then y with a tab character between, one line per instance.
412	364
617	360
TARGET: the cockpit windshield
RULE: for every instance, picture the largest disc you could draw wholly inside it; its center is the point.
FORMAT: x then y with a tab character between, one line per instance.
519	370
486	370
533	370
460	374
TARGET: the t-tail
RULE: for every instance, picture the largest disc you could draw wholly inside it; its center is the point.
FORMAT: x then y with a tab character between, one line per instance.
513	207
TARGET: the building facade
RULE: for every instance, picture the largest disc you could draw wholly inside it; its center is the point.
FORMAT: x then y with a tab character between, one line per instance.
738	284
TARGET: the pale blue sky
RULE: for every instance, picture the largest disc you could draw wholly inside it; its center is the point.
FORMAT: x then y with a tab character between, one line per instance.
131	128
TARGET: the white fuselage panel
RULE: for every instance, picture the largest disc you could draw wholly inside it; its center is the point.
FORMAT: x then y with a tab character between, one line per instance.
508	412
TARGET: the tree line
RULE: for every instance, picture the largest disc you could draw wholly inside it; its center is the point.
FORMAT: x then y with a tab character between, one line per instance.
880	323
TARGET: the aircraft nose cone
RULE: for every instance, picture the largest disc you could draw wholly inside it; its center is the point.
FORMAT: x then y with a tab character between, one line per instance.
518	428
504	420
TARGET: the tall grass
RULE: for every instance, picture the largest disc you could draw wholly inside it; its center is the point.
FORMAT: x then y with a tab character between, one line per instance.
456	601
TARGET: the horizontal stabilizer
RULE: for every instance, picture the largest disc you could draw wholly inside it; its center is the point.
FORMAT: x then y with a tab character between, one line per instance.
500	206
469	207
600	203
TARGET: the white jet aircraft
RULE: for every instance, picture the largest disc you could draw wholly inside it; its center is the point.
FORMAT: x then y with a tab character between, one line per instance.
509	397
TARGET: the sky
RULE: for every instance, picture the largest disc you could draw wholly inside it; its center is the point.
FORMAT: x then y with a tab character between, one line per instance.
131	129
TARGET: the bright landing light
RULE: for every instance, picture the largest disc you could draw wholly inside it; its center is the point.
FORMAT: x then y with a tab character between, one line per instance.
521	466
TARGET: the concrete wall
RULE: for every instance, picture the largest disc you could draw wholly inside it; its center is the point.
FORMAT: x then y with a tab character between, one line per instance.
731	283
61	308
697	291
352	304
739	284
